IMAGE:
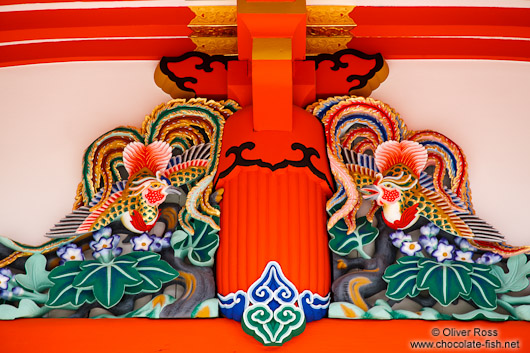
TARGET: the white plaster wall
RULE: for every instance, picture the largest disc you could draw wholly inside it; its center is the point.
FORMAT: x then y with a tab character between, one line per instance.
483	107
50	113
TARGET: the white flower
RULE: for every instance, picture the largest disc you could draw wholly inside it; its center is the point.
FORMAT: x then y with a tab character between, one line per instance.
70	252
410	248
142	242
443	252
5	277
105	243
428	243
102	233
464	245
399	237
465	256
429	230
489	258
4	280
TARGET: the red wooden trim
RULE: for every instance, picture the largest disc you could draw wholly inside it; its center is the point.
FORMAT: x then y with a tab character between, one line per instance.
461	21
94	50
93	23
223	335
396	32
444	48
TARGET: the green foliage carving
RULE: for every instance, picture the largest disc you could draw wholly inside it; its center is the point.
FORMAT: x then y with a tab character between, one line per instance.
516	279
401	278
481	314
342	243
79	282
273	328
153	271
36	277
26	308
63	293
199	247
445	281
107	280
483	293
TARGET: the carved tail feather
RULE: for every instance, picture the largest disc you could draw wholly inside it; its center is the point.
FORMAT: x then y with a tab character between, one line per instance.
69	225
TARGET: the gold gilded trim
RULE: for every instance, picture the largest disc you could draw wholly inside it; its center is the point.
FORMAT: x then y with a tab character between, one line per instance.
216	45
316	16
329	45
214	16
214	28
330	16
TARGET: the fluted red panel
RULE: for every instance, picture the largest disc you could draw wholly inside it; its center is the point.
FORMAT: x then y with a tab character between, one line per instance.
276	184
279	216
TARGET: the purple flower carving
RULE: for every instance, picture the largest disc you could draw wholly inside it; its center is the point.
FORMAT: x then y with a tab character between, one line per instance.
465	256
489	258
399	237
142	242
159	244
443	252
105	245
410	248
428	243
102	233
464	245
5	277
429	230
70	252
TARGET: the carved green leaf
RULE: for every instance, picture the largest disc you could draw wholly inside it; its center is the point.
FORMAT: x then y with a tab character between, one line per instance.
401	278
255	320
36	277
481	314
445	281
483	292
199	247
108	280
273	328
153	271
63	293
516	279
26	308
343	243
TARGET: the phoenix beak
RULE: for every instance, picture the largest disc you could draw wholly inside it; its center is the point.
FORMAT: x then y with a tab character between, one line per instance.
173	190
370	192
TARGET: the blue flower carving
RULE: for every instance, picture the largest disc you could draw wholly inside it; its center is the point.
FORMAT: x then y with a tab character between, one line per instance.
399	237
105	244
443	252
428	243
5	277
410	248
70	252
142	242
489	258
464	245
429	230
465	256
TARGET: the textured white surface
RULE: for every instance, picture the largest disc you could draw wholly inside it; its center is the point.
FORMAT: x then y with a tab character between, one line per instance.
50	113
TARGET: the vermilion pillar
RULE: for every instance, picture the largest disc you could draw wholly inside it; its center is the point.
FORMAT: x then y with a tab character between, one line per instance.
273	252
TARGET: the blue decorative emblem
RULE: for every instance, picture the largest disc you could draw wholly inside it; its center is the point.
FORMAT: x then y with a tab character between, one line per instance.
272	288
272	310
